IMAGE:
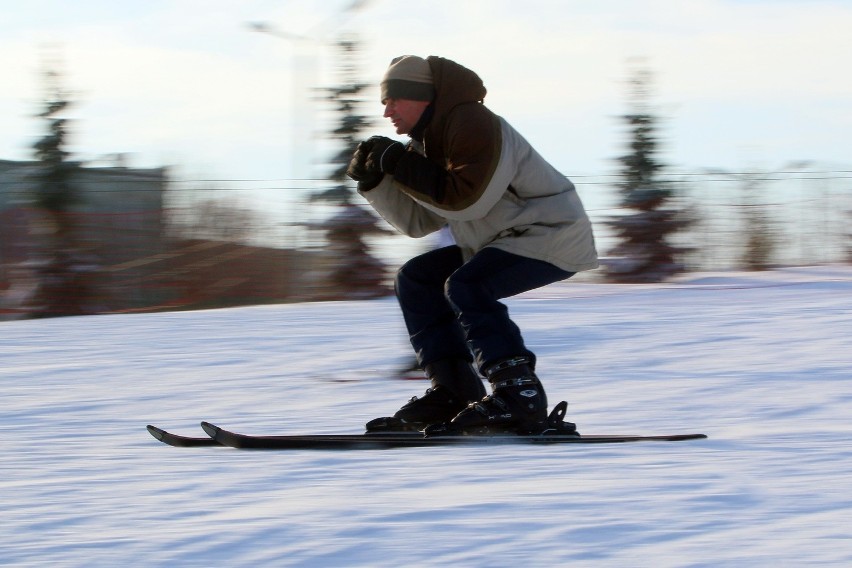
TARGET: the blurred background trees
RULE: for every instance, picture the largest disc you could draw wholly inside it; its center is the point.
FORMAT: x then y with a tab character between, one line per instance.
353	271
77	239
61	273
645	252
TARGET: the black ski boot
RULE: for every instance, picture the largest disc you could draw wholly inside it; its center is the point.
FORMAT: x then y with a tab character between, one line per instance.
517	404
454	385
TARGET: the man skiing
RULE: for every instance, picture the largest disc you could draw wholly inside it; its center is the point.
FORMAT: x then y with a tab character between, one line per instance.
518	224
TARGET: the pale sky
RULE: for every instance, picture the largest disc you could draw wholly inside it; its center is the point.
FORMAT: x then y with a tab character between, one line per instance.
185	83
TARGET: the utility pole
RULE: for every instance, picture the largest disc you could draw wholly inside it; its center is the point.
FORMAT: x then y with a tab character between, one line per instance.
305	80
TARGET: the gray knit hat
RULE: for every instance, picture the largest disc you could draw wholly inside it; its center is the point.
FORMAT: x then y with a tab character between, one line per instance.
408	77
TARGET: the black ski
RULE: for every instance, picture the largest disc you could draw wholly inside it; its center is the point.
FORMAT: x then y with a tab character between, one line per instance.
411	440
180	441
557	432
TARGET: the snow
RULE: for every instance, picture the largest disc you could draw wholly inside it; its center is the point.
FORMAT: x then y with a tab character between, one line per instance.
760	362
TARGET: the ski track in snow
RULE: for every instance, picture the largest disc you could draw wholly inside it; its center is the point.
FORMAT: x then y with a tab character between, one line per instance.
760	362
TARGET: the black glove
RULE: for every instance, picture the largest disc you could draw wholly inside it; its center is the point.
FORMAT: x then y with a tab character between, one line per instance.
384	154
367	177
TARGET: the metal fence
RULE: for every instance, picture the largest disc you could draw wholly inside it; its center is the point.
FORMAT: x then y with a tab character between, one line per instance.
808	215
807	211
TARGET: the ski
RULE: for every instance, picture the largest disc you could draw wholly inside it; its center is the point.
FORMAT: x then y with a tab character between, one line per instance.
557	432
413	440
180	441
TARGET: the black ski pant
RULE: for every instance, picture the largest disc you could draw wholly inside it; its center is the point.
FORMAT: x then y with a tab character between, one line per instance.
451	307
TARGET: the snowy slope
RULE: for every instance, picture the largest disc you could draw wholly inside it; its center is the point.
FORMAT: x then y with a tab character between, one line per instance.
762	363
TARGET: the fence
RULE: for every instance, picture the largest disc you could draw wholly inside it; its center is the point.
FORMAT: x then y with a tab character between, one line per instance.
808	214
229	242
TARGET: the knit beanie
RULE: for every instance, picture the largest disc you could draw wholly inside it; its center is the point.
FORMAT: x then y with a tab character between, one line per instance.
408	77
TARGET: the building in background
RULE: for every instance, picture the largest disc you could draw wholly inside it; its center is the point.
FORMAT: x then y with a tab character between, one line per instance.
117	219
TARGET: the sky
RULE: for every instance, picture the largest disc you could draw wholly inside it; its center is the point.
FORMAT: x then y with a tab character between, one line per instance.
187	84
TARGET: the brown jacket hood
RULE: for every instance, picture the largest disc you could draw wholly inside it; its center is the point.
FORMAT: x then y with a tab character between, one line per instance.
454	85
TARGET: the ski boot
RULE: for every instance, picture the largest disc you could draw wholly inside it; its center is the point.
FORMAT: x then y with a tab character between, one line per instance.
517	404
454	385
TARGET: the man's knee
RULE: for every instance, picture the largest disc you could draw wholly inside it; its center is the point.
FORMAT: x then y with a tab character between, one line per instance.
463	293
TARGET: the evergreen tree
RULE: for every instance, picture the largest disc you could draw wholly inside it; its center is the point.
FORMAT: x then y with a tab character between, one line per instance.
644	253
354	271
62	287
54	190
347	99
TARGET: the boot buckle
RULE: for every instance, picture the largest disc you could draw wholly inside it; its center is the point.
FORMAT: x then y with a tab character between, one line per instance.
516	382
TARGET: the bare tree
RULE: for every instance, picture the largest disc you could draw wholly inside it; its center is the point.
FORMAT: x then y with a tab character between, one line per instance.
218	220
760	238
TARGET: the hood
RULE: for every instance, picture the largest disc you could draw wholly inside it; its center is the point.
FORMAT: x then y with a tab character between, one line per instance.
454	85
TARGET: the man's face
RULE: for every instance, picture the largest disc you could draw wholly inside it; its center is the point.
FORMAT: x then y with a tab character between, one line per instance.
404	113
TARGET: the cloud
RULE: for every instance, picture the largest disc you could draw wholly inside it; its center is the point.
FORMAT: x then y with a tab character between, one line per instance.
187	79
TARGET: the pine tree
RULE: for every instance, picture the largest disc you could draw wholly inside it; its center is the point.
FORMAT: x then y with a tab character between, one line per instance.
354	272
346	99
62	289
54	190
644	253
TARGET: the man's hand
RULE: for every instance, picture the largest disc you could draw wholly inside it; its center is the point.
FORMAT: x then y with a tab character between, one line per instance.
367	177
373	159
384	154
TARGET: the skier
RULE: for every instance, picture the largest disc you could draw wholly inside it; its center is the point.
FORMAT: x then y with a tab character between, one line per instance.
518	224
